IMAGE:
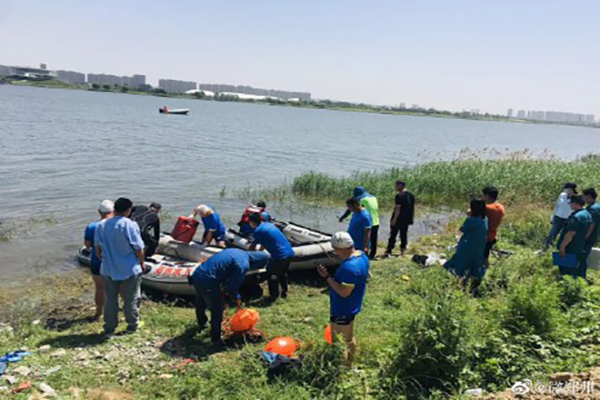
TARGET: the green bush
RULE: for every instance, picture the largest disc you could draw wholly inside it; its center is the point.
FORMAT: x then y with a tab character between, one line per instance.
572	291
322	367
435	349
526	226
532	306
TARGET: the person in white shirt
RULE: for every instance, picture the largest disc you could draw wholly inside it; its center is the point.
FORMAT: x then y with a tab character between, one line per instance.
562	211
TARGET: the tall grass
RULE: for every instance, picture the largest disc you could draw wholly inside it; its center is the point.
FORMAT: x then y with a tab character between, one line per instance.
519	176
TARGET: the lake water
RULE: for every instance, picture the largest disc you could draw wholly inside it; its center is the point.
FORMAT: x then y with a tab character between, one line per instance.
64	151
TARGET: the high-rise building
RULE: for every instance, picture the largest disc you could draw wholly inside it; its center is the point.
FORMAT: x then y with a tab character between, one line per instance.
521	114
104	79
4	70
243	89
509	113
73	77
175	86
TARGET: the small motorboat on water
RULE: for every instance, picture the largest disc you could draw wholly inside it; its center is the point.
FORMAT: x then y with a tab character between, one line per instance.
175	261
178	111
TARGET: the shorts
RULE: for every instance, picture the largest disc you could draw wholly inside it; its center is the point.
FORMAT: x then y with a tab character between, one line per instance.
217	237
95	269
345	320
488	248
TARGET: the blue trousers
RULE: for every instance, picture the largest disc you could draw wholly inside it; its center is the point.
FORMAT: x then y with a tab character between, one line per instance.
583	263
557	225
209	297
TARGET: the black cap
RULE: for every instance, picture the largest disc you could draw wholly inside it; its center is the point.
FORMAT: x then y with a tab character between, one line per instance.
570	185
577	200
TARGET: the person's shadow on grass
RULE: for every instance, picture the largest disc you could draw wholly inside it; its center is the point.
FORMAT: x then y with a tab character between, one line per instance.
75	341
193	344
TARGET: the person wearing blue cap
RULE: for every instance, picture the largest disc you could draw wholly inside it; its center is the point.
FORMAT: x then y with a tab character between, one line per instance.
226	269
370	203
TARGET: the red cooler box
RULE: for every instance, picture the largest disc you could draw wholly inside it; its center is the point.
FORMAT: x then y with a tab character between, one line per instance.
185	229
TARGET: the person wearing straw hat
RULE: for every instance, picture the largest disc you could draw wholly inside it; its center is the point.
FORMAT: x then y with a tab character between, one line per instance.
347	289
105	210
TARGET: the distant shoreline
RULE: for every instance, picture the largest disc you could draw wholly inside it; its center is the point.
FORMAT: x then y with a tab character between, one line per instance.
316	105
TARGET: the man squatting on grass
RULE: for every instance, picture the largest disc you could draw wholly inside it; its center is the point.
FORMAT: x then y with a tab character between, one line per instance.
347	289
120	248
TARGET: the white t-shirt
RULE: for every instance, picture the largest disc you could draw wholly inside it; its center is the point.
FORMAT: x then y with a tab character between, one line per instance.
562	209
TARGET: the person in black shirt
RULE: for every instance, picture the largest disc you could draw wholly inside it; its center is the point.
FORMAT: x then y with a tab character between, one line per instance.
402	217
149	223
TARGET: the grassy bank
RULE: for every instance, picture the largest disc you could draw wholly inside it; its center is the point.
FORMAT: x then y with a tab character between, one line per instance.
420	336
520	177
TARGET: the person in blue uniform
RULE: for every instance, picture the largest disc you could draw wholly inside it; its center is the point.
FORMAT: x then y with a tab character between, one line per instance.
360	225
213	227
272	239
347	289
227	270
590	196
468	262
573	236
105	210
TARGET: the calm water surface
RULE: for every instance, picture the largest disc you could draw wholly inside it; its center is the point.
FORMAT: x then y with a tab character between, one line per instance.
64	151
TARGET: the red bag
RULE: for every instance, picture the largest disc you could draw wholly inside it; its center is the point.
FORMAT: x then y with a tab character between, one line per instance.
185	229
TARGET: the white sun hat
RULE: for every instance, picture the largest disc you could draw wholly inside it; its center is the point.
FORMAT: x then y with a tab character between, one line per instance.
342	240
107	206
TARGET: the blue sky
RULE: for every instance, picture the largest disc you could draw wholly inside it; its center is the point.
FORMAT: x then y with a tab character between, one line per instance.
461	54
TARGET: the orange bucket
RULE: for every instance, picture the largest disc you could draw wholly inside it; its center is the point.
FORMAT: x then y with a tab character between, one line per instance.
244	320
285	346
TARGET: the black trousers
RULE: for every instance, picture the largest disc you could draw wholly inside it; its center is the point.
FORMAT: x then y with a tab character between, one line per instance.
277	273
374	237
209	298
402	229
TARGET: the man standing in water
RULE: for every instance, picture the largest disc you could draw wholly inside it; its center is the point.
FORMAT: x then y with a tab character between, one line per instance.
120	247
106	211
590	196
149	223
402	217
